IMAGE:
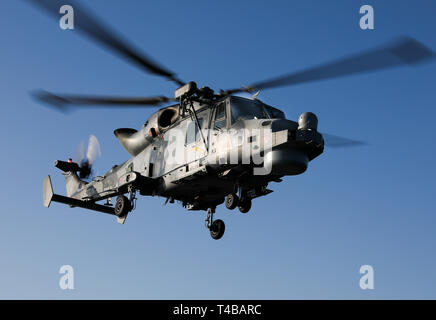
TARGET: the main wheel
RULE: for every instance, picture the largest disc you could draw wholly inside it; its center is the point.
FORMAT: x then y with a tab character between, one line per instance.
245	205
232	201
122	206
217	229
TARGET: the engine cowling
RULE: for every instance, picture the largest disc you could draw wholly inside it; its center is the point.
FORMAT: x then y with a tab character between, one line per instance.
132	140
135	141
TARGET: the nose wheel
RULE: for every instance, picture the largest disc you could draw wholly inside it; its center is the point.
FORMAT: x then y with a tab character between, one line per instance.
216	227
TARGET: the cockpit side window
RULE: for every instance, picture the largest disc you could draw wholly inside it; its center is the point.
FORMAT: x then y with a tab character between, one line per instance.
275	113
220	116
245	109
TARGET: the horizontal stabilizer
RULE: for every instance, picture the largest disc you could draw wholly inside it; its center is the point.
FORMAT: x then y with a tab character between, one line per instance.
49	196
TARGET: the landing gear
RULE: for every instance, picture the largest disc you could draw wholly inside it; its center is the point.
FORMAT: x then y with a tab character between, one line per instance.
122	206
232	201
216	227
243	202
245	205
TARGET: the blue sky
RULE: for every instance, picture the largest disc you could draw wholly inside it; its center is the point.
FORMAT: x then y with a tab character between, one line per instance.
369	205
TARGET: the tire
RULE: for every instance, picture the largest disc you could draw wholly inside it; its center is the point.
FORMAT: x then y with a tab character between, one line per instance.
122	206
245	205
232	201
217	229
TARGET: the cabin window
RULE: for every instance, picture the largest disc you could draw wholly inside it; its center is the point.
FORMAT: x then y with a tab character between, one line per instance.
192	132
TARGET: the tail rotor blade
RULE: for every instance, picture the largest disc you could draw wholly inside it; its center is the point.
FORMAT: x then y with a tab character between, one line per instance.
93	149
79	154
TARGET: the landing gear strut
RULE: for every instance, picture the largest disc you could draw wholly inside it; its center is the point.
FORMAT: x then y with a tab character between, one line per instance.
216	227
132	197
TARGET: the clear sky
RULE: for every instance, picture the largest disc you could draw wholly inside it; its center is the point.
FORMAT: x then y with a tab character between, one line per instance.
369	205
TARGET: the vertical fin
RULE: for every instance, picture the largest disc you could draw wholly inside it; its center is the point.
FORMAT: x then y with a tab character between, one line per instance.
47	191
72	182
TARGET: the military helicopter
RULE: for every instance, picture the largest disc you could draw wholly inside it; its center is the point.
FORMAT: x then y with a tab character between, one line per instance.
204	133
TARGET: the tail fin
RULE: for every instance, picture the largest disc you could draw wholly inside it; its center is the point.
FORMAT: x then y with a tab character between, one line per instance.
47	192
72	183
72	180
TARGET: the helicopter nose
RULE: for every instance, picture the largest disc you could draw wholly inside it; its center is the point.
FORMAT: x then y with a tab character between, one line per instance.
304	144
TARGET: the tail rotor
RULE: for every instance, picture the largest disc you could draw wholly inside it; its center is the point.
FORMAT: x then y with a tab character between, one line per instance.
86	161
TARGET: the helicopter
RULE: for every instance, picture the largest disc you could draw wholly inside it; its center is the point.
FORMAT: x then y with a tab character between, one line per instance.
205	147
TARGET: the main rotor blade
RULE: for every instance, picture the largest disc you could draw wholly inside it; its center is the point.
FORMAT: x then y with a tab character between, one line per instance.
340	142
85	22
65	102
405	51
